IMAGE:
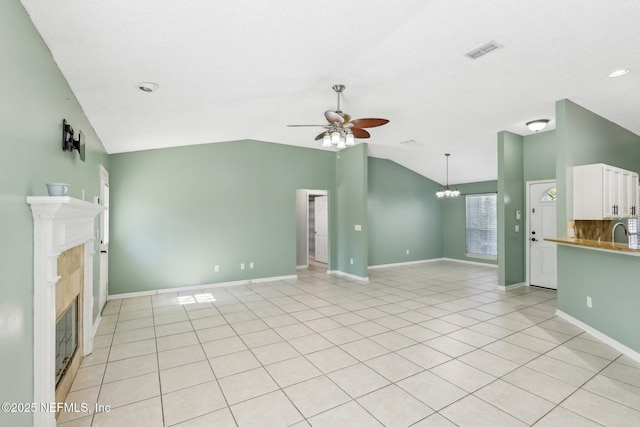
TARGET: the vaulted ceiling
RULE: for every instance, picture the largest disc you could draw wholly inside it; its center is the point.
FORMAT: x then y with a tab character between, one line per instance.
245	69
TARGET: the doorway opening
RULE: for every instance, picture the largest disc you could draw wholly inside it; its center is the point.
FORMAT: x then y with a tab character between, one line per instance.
312	230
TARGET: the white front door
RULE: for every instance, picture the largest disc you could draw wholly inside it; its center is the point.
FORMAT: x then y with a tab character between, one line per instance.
104	238
542	224
322	229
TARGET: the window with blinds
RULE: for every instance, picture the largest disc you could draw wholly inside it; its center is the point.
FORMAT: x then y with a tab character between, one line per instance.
482	225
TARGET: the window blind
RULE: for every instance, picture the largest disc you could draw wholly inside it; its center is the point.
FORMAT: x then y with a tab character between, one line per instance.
482	225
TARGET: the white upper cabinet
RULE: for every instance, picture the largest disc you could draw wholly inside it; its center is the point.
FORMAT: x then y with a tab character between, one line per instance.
604	192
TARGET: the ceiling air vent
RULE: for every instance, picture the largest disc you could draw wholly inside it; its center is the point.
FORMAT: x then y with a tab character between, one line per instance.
483	50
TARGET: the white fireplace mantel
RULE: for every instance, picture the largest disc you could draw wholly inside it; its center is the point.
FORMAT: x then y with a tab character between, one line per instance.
59	223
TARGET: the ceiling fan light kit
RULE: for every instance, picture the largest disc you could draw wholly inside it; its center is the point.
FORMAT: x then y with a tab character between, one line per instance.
446	191
341	131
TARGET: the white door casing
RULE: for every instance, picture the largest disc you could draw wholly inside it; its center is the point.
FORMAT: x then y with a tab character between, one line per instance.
541	207
322	229
104	239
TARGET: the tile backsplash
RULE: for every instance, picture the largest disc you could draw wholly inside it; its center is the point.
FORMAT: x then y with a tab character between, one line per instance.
591	230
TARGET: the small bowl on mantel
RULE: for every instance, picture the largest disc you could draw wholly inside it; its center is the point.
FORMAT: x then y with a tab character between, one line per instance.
57	189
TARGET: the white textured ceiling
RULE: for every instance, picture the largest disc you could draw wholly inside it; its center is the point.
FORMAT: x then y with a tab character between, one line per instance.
244	69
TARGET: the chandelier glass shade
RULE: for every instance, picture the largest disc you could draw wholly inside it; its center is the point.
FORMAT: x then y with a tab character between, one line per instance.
446	191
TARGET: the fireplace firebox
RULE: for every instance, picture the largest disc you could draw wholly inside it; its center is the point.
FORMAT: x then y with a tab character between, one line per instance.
66	339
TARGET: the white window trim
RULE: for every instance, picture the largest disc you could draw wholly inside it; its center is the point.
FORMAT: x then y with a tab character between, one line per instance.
479	255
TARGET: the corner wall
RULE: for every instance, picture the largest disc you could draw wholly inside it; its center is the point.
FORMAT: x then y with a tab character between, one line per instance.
351	189
511	197
35	99
404	214
178	212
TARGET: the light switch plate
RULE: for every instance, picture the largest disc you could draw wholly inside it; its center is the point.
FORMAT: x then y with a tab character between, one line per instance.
358	227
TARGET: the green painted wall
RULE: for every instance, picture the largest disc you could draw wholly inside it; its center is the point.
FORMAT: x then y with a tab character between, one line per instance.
585	138
610	279
511	197
403	213
539	152
454	220
351	189
178	212
35	99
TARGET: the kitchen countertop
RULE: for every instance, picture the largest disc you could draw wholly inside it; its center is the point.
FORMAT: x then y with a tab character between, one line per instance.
622	248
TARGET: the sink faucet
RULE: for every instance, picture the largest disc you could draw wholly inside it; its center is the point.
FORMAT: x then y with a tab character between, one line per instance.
613	231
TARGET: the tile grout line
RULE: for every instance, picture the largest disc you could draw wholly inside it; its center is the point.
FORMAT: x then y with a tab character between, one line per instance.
353	296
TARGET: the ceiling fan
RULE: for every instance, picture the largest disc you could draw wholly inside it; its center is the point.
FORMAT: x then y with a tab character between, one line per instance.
341	130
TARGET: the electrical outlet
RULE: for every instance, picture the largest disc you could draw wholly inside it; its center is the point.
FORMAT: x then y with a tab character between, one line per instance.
216	268
351	260
242	266
407	251
589	303
250	265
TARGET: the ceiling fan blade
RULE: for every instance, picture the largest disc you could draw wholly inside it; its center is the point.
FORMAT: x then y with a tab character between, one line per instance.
333	117
369	123
319	137
360	133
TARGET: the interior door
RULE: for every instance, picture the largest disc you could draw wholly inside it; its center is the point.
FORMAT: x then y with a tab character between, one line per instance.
542	224
104	238
322	229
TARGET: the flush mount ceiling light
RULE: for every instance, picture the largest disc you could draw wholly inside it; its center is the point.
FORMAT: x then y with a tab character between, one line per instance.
618	73
537	125
148	86
446	191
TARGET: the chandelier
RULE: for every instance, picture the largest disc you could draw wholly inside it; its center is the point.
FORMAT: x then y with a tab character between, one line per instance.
446	191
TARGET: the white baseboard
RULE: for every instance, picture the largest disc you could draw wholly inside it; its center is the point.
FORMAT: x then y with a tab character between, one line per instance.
94	329
348	275
511	287
198	287
96	324
400	264
273	279
464	261
599	335
302	267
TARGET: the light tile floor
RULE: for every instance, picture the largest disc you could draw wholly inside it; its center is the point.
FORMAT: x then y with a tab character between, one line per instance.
432	344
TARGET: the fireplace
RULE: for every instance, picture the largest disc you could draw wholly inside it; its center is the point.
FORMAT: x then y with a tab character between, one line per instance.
63	233
66	339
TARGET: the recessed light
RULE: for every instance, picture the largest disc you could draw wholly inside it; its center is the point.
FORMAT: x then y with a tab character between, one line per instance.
148	86
618	73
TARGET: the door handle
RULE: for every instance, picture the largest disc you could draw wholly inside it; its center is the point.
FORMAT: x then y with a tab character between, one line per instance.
103	252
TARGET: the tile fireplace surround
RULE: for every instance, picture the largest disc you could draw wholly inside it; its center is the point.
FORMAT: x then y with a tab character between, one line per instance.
60	223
